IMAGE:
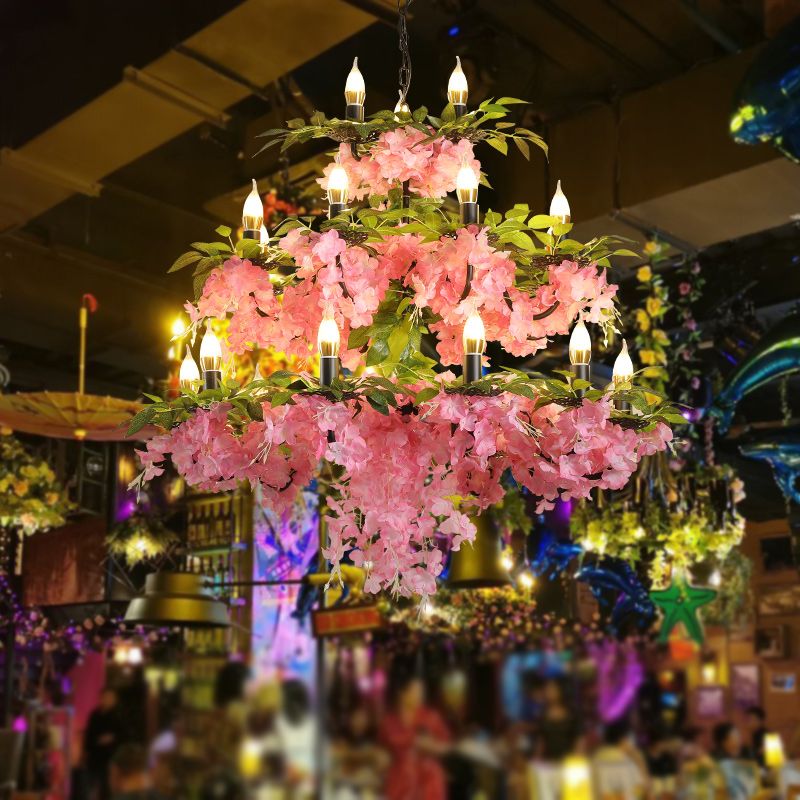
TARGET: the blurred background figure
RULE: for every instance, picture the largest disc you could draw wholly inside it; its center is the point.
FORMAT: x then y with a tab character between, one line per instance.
105	732
129	776
755	730
416	738
558	733
296	732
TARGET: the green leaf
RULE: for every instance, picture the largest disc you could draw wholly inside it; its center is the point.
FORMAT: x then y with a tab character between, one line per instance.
420	114
379	404
223	230
449	113
428	393
511	101
523	147
499	144
358	338
184	260
378	351
522	389
540	221
297	122
281	398
144	417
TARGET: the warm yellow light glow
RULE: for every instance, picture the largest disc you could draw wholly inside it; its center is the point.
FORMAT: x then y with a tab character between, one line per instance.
354	90
576	781
250	758
474	337
559	205
210	352
253	212
715	579
773	750
121	655
457	89
189	374
506	562
328	338
708	673
526	580
338	185
580	345
623	367
135	655
467	185
401	106
178	327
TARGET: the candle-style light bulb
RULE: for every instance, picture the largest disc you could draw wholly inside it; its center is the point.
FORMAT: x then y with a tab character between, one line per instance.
328	341
211	359
338	190
189	374
526	580
328	338
580	345
263	236
559	205
580	353
457	89
467	185
355	91
252	214
474	337
623	367
622	375
474	341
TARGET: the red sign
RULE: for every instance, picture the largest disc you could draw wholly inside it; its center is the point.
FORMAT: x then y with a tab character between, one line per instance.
347	619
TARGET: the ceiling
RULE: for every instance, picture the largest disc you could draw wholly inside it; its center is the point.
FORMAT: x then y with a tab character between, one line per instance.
130	133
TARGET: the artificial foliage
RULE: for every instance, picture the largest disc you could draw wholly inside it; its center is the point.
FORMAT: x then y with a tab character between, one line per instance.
31	497
689	520
733	605
141	538
411	450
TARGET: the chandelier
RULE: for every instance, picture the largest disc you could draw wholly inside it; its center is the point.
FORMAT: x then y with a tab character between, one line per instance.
406	452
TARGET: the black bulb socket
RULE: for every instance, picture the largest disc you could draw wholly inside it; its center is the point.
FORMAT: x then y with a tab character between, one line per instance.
212	378
354	112
582	372
473	367
469	213
250	234
328	370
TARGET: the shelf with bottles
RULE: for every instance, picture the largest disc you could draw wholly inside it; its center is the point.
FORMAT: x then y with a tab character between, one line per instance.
211	522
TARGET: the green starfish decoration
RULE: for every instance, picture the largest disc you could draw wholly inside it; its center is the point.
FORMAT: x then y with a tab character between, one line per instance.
679	603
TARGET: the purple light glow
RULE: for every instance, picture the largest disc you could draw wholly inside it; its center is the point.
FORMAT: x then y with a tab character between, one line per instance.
20	725
125	509
562	512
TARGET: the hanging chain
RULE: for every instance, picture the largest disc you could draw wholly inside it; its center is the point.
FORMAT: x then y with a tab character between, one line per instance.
404	73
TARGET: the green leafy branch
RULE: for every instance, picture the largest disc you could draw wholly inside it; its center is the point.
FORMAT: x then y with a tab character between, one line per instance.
474	126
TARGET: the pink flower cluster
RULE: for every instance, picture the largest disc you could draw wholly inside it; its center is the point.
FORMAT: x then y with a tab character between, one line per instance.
350	283
398	156
393	510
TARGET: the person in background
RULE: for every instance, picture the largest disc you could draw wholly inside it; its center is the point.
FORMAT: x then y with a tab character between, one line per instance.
741	780
358	761
559	732
417	738
753	748
105	732
128	774
296	733
618	765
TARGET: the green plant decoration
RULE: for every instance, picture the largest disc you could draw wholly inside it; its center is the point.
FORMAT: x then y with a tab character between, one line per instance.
679	603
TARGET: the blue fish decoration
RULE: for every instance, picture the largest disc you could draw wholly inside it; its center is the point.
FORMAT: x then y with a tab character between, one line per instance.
614	584
768	99
776	354
552	555
782	453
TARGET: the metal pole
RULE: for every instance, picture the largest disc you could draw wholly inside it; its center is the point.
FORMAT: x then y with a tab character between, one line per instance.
82	323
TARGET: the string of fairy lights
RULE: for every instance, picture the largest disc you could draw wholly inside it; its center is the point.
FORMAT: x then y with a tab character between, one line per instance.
209	374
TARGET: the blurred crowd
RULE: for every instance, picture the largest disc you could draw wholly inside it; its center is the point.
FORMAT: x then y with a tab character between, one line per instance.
266	744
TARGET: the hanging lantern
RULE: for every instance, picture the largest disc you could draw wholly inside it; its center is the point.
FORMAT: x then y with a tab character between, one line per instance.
177	598
479	566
